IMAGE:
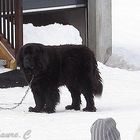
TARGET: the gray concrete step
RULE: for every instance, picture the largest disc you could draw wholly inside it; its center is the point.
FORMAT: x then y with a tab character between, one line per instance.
2	62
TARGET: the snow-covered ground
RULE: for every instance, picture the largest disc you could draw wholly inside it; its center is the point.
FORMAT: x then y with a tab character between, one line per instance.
121	95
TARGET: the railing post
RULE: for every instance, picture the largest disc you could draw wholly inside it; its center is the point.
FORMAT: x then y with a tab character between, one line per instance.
8	20
18	25
12	23
4	18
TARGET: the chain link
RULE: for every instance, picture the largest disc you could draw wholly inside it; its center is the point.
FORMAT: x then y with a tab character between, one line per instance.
23	98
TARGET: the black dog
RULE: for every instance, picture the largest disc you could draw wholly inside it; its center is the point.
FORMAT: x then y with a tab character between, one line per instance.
52	66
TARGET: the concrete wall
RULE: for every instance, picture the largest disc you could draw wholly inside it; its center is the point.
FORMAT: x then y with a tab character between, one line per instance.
100	28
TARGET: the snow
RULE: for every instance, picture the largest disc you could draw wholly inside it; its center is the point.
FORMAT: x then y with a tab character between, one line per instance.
121	78
54	34
126	42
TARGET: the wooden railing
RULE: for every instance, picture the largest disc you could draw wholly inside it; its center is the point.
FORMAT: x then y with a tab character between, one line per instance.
11	23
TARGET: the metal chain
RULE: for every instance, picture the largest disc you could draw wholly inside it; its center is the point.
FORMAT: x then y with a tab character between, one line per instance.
18	104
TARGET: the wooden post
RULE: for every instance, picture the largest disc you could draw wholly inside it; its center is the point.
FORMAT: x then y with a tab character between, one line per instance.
100	28
92	25
103	30
18	25
4	18
12	23
8	20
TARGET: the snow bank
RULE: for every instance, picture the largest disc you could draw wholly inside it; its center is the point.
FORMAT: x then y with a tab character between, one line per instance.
125	58
54	34
126	34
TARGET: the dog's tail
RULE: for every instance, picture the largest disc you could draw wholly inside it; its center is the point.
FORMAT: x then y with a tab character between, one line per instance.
98	89
97	80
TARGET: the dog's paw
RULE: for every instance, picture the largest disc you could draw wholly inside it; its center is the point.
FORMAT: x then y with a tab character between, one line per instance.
90	109
31	109
48	110
70	107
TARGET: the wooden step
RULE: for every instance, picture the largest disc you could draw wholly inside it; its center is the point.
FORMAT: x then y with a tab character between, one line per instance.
6	53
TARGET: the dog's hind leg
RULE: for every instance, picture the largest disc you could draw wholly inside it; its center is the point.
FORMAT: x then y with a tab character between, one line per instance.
88	92
90	102
76	99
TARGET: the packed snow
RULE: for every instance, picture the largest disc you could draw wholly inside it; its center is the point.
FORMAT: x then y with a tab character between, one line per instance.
121	80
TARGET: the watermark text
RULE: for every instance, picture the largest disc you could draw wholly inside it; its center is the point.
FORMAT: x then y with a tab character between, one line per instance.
25	136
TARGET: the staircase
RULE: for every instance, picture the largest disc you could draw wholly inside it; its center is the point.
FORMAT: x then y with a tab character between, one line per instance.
11	31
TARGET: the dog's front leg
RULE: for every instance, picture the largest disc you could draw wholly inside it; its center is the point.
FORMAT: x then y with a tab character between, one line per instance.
39	101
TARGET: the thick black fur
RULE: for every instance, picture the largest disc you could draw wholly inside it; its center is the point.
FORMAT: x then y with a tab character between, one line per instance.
52	66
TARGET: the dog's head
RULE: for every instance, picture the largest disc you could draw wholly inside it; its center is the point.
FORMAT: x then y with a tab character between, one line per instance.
31	58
